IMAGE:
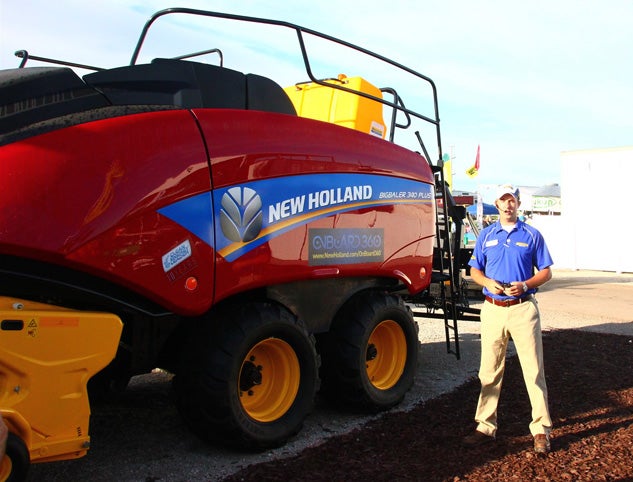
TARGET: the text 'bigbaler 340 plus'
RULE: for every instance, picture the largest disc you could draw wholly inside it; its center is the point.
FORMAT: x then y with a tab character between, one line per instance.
257	242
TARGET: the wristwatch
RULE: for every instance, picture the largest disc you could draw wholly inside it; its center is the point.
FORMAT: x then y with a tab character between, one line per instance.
525	287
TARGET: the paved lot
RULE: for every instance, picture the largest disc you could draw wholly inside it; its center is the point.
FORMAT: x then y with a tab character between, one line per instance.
140	437
588	300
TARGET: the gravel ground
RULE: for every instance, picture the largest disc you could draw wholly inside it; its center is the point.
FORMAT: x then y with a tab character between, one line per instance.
140	437
592	436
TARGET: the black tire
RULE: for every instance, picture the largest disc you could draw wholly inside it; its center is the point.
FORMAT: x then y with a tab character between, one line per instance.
106	387
370	354
225	392
15	464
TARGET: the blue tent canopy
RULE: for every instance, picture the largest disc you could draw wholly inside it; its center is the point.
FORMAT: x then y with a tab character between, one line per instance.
489	209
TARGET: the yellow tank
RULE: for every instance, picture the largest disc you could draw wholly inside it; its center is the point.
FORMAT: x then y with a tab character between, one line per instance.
316	101
47	356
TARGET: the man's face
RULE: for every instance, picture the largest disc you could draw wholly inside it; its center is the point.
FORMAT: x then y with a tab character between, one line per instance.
508	207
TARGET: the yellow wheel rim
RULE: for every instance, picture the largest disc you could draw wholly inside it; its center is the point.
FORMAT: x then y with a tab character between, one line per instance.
6	467
386	355
269	380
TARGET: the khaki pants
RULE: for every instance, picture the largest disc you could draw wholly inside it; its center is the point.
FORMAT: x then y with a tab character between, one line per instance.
498	324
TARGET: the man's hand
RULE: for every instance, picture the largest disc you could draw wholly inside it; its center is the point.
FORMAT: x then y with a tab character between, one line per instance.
515	289
495	287
481	279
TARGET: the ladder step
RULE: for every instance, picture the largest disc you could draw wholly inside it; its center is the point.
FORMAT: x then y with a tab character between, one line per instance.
437	277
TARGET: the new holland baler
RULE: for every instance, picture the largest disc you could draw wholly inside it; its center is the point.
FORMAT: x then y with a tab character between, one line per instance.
253	240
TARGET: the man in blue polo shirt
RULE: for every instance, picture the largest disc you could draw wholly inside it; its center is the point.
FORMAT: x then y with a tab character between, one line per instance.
510	261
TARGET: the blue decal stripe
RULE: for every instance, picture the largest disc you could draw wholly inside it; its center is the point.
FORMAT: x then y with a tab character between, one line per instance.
194	214
235	250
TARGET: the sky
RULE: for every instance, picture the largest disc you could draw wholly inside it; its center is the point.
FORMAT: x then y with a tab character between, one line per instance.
523	81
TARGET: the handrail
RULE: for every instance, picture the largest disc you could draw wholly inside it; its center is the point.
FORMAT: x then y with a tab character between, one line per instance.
202	52
25	56
396	105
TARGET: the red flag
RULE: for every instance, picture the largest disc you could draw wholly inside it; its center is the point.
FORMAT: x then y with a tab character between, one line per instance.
477	159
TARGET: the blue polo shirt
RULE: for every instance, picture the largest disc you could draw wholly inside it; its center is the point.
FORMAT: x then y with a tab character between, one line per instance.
510	256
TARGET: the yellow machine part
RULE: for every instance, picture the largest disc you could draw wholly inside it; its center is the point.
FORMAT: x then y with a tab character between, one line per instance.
316	101
47	355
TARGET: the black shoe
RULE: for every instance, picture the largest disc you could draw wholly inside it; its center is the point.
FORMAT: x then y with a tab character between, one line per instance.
477	438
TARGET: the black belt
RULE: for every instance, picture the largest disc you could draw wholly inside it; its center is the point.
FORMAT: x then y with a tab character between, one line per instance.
510	302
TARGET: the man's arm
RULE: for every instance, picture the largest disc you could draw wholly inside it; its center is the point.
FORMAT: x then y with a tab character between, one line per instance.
540	278
482	280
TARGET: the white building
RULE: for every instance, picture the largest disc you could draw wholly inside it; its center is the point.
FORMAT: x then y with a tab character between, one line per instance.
595	229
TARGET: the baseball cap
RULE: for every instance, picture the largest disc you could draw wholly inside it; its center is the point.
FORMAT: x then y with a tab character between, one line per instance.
508	189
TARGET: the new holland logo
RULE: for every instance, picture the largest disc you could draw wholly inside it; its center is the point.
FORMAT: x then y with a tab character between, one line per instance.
241	214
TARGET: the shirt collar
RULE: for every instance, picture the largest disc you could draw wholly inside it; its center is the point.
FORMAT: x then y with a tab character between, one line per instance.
497	225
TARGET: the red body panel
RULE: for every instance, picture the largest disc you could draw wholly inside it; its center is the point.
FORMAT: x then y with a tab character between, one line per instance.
98	188
86	197
248	146
254	145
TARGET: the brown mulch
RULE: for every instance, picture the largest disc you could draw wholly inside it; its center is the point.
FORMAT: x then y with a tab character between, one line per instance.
590	382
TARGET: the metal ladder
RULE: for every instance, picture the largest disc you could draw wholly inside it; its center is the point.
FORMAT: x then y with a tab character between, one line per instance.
447	291
445	265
